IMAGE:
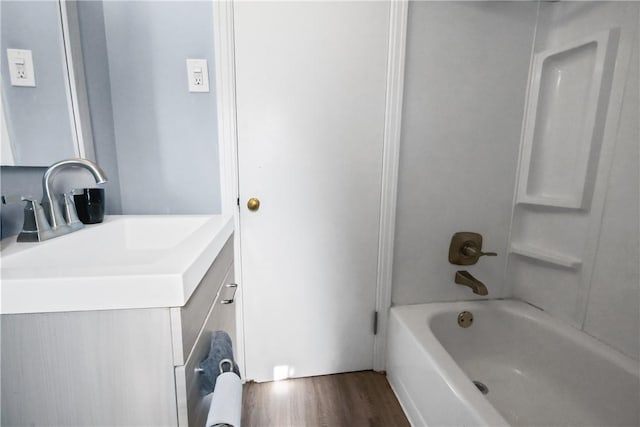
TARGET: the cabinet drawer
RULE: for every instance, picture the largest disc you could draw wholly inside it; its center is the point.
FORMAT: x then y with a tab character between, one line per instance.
187	321
192	407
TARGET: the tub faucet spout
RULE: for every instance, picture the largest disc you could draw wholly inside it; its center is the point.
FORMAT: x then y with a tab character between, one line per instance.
465	278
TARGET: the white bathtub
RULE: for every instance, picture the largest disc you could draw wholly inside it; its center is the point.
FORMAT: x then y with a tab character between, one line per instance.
539	371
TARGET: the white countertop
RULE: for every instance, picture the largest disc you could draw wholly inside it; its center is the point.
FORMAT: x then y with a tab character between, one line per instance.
128	261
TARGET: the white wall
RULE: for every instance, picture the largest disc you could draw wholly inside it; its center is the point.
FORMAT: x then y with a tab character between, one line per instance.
466	74
602	296
466	80
613	312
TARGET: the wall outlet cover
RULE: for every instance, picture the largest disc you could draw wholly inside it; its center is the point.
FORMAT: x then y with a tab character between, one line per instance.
21	71
198	75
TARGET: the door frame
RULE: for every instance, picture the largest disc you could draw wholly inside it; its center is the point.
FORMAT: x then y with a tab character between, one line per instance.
225	75
399	10
224	45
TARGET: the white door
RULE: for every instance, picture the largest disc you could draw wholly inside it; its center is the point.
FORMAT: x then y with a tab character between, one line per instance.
310	82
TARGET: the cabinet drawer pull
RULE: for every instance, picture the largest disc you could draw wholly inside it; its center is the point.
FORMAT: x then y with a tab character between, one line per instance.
235	289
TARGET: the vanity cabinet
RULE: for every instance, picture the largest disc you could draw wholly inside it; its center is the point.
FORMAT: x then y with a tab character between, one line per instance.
132	367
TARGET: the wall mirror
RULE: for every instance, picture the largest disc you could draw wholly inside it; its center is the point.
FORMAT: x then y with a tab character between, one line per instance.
50	121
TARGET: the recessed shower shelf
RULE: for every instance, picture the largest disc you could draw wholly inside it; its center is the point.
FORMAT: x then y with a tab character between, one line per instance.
546	256
549	203
564	122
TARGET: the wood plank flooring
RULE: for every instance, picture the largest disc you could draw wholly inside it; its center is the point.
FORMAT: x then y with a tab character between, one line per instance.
352	399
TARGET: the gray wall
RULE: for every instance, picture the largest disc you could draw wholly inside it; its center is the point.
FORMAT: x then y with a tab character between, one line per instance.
96	67
37	117
166	137
156	141
28	180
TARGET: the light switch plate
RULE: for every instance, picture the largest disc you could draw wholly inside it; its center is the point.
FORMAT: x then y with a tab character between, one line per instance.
198	75
20	62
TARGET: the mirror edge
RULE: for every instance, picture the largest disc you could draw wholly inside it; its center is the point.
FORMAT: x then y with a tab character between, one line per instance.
6	152
79	113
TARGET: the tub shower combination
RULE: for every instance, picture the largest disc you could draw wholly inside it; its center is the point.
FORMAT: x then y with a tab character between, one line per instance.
571	247
504	362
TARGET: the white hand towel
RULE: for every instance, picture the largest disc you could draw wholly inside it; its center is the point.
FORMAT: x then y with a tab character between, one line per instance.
226	403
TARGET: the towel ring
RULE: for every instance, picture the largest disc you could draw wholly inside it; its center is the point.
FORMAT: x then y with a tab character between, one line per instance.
222	362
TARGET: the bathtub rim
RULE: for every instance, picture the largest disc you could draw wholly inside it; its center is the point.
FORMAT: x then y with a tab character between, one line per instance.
460	383
537	315
454	377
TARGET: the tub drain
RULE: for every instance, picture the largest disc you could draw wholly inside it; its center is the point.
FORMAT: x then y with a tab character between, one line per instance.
483	388
465	319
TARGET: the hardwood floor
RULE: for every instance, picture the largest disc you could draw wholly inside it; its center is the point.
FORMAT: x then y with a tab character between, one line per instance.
353	399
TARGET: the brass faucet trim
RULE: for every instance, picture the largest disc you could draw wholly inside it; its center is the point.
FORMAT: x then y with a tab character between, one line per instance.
466	248
466	279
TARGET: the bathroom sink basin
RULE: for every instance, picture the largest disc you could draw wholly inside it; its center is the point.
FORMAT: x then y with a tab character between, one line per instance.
120	241
128	261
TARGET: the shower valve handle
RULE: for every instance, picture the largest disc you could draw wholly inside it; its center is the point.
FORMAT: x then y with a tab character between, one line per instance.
471	249
466	248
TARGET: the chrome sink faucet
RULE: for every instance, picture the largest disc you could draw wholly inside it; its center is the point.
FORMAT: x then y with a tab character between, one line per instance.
46	220
68	222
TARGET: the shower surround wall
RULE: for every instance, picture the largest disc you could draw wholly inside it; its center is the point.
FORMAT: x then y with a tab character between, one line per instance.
600	293
466	74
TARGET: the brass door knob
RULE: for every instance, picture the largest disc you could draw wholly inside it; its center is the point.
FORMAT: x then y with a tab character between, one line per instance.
253	204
